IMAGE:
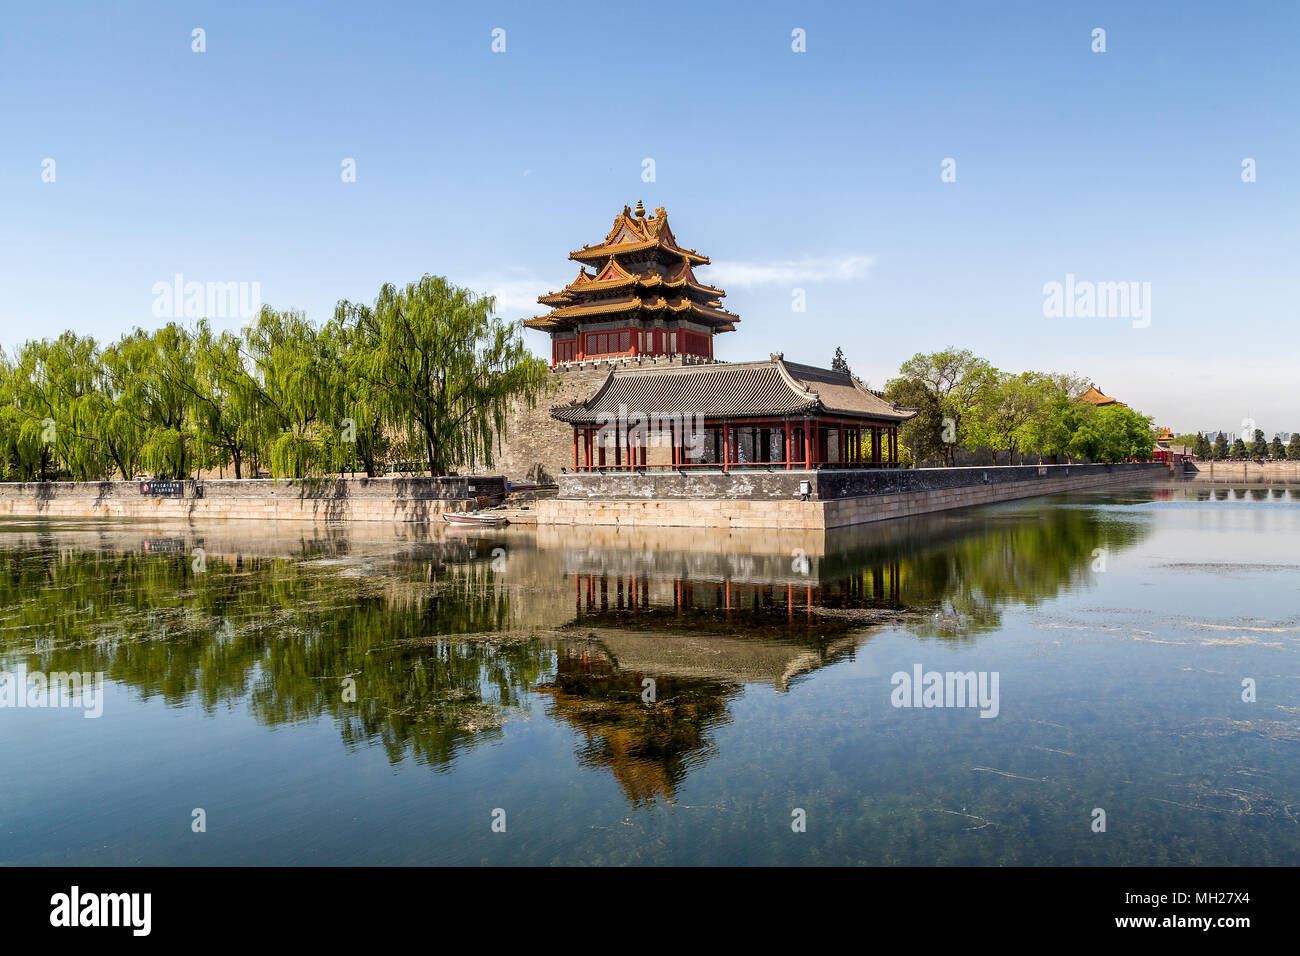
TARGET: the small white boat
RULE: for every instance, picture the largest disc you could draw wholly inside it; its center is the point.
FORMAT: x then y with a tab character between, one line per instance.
472	519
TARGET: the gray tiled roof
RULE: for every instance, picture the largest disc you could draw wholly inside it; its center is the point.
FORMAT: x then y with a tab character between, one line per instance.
726	390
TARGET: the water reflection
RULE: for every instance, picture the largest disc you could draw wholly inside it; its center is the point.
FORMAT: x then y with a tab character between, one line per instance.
445	637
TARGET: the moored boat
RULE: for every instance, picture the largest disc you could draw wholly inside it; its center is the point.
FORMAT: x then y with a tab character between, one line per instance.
472	519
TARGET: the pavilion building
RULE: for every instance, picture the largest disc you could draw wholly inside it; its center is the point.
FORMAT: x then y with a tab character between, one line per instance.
733	415
666	403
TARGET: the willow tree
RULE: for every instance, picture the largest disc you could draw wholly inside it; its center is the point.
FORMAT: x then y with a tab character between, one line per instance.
154	381
227	416
365	435
56	382
296	384
24	451
121	424
442	367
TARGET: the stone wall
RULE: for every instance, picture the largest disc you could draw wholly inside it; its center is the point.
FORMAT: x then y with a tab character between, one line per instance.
823	484
1245	472
331	499
536	446
880	495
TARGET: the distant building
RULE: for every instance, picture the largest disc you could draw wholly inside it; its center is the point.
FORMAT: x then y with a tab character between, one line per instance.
1166	451
1094	396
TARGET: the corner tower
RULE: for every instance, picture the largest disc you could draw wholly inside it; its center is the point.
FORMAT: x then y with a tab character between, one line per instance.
640	297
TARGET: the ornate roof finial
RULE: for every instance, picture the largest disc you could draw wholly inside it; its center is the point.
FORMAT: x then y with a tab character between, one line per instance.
640	210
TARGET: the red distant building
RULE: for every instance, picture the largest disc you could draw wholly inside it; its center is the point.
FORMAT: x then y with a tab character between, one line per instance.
1166	451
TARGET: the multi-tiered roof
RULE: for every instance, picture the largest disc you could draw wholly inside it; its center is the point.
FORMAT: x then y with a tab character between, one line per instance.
639	279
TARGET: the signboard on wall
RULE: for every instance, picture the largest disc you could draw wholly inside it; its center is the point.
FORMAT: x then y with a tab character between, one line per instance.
173	489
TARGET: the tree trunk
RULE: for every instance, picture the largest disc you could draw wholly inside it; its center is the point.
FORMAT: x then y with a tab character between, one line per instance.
428	447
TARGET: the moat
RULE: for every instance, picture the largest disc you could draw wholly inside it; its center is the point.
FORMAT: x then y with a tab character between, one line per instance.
367	694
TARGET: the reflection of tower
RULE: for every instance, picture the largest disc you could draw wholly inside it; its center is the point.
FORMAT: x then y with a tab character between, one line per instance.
649	747
739	602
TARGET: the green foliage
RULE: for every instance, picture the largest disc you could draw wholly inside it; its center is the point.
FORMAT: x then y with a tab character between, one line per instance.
1259	447
1293	447
1221	446
429	366
1114	433
1238	450
432	357
962	401
944	388
1276	449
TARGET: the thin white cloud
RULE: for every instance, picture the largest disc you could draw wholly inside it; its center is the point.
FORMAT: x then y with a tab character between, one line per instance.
789	271
514	297
517	296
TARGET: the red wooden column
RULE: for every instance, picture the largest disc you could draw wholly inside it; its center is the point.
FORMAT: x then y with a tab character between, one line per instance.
785	449
726	445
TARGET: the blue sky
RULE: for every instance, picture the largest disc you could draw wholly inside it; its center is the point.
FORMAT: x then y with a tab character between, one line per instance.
817	170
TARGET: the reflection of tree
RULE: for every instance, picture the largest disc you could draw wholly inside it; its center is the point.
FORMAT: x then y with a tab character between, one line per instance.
430	637
943	577
282	635
649	747
1014	559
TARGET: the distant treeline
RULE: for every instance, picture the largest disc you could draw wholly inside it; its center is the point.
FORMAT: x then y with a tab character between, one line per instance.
963	402
426	374
1259	447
